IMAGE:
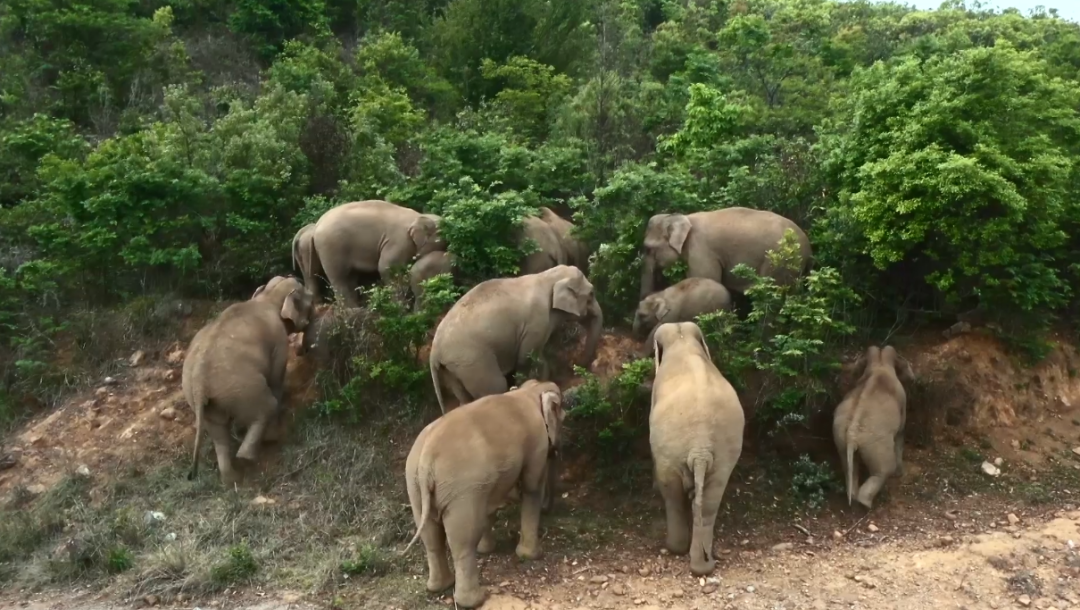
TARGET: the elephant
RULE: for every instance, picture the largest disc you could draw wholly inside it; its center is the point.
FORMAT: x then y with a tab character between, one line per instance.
575	250
498	324
322	335
369	236
432	264
680	303
695	432
545	236
870	421
462	468
234	371
713	243
306	259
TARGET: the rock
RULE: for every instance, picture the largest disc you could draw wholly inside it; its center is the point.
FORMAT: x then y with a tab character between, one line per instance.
137	358
151	600
677	594
170	536
175	356
998	462
709	589
750	588
110	381
945	540
836	535
152	516
36	489
263	500
1015	444
872	528
170	375
90	405
101	392
8	460
783	546
617	589
1013	519
83	470
990	469
1076	450
599	579
168	414
1024	600
644	571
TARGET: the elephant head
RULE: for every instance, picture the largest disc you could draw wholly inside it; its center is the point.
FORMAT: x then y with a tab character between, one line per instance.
294	301
672	335
886	356
649	312
424	232
574	295
665	239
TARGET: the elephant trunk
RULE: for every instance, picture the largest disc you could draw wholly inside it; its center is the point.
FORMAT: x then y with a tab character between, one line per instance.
637	326
648	276
595	327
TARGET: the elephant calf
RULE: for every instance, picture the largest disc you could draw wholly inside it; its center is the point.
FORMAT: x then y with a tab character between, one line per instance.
680	303
695	432
234	371
870	421
463	467
427	267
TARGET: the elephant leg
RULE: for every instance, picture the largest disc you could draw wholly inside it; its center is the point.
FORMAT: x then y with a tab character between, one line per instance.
483	379
702	559
850	479
266	404
529	545
551	484
880	460
898	442
487	540
222	439
677	509
465	522
439	575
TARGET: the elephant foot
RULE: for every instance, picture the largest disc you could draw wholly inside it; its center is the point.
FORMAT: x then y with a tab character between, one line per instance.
527	552
248	454
487	544
469	597
229	478
437	583
702	567
678	544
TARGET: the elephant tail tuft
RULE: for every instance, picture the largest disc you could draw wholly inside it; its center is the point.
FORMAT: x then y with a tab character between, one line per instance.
850	464
699	465
435	380
425	505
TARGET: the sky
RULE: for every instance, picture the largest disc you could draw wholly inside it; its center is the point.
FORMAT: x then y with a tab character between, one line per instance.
1067	9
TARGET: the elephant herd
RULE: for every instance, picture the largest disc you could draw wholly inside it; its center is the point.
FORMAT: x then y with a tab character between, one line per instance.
498	442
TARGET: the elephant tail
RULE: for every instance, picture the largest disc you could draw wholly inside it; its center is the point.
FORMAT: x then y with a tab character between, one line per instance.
438	386
310	264
699	464
425	505
850	463
296	253
199	407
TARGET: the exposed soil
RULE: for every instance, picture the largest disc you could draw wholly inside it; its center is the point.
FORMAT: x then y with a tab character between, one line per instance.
944	536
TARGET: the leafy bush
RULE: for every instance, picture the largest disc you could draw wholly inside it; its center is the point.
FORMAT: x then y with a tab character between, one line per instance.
813	481
606	416
238	566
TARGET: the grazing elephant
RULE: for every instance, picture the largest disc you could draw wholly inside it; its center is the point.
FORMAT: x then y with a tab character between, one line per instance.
695	431
462	468
369	236
427	267
714	243
551	252
306	259
234	371
870	420
680	303
319	337
575	250
495	328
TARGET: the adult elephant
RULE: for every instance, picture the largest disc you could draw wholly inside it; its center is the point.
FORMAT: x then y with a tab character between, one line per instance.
714	243
576	251
306	259
370	236
550	253
498	325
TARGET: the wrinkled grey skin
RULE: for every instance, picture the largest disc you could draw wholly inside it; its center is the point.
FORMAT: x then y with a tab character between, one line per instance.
306	259
714	243
427	267
495	328
464	466
695	432
369	236
234	371
680	303
870	422
547	239
575	250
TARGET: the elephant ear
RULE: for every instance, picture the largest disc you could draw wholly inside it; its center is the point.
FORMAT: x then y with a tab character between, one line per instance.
292	311
565	297
662	309
701	339
421	230
678	229
258	291
552	411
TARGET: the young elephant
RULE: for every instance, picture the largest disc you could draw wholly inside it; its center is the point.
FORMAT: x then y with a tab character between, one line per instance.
427	267
695	431
870	420
495	328
463	467
680	303
234	371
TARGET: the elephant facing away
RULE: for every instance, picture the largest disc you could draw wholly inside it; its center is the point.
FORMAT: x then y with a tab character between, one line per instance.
713	243
370	236
680	303
234	371
462	468
551	252
870	421
575	250
427	267
695	432
495	328
306	259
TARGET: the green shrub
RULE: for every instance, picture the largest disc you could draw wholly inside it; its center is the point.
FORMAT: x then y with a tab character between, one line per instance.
812	482
237	567
607	416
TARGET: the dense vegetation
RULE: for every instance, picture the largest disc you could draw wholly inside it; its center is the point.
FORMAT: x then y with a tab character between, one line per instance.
152	147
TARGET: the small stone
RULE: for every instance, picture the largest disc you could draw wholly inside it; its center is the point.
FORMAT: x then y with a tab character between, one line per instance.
990	469
101	392
168	414
36	489
837	535
170	536
709	589
137	358
111	381
998	462
1024	600
677	594
638	601
83	470
90	405
750	589
871	528
261	500
745	542
176	356
783	546
151	600
945	540
644	571
290	598
1013	519
599	579
1015	444
153	516
170	375
617	589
